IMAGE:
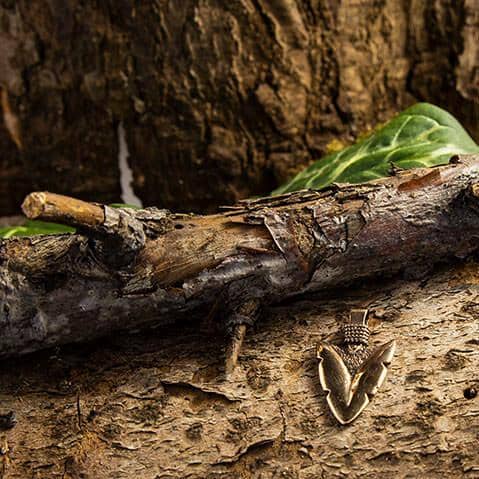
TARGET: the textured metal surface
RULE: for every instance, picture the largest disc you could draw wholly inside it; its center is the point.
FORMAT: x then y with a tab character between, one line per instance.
350	373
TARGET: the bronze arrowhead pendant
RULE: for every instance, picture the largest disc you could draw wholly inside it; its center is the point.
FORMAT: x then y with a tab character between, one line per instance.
351	373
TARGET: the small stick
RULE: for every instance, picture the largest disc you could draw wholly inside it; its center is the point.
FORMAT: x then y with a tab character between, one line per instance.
234	347
62	209
118	227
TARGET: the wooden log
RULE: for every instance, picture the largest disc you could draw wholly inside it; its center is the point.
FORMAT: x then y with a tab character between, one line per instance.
59	289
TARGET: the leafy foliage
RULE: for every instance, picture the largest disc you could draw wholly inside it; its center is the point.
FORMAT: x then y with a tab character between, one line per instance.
424	135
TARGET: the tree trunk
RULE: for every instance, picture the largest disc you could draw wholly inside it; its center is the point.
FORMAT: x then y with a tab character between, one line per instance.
219	100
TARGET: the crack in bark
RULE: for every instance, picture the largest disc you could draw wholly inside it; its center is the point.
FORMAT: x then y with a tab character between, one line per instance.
249	449
181	387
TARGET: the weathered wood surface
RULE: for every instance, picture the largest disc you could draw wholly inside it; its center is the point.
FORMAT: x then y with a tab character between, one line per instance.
149	267
219	100
156	405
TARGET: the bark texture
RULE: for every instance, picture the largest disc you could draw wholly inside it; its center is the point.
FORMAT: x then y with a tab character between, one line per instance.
135	268
156	405
219	100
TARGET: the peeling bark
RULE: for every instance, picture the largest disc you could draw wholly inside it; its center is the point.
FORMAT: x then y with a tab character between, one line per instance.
219	101
148	267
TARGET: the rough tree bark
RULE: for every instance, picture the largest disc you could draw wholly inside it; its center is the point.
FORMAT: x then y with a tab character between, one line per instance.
157	405
131	268
219	100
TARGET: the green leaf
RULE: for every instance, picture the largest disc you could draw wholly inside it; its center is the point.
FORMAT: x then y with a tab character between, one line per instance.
32	228
424	135
125	205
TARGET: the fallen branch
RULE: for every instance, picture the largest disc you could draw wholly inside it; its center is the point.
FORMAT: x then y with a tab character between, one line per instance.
130	268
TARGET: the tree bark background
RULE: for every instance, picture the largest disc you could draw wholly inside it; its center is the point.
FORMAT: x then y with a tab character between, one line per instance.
219	100
155	405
